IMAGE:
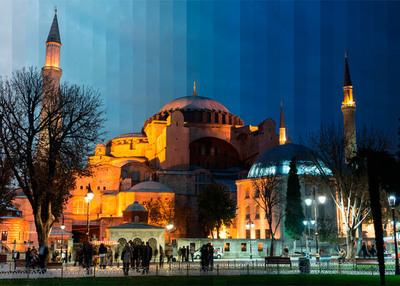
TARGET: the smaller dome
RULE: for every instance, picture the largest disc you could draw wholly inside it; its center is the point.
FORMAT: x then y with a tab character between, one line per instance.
136	207
100	145
277	160
150	186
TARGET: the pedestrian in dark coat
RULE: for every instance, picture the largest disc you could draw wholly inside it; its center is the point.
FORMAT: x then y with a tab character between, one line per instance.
211	256
364	251
28	258
135	257
161	257
43	253
126	258
88	256
147	254
102	254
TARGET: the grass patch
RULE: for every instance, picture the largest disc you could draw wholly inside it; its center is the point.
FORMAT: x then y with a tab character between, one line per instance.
295	279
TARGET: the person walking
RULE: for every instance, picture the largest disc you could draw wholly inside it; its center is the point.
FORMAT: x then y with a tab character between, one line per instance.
364	250
372	251
126	258
161	257
147	254
179	253
135	257
28	258
109	256
102	254
192	252
211	256
43	253
88	254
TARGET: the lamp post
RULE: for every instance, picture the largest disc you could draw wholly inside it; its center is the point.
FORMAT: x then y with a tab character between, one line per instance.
169	227
249	226
308	223
392	204
62	237
89	196
309	201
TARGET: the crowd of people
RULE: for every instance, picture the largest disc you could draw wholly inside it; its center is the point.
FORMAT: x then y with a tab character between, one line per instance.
34	258
136	255
207	257
184	252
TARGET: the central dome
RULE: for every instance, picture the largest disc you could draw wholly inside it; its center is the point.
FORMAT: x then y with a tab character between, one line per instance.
194	102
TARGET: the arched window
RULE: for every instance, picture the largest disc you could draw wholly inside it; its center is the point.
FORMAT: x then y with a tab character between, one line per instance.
248	212
257	212
247	195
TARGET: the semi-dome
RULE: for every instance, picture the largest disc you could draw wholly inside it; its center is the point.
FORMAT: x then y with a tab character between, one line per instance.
136	207
277	160
194	102
150	186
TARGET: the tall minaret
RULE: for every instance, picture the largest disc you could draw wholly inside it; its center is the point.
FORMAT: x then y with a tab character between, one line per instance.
349	109
282	129
51	71
51	74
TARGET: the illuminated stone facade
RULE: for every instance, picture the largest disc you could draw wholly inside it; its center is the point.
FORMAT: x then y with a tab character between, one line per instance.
188	143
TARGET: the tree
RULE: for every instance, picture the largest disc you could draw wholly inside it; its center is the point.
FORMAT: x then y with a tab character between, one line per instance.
216	208
268	196
294	213
348	190
6	190
161	211
46	137
382	171
327	230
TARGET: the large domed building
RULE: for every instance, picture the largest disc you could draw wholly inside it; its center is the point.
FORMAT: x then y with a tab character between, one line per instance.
188	143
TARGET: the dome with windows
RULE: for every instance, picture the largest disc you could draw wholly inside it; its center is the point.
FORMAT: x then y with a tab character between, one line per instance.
194	103
276	161
197	109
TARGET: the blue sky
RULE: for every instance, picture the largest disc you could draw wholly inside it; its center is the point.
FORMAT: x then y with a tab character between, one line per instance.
248	55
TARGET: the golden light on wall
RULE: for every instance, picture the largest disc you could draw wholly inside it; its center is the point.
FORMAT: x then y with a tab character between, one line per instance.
52	54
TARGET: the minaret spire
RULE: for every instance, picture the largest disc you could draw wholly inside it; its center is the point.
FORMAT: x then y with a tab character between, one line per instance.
348	109
51	74
282	129
194	89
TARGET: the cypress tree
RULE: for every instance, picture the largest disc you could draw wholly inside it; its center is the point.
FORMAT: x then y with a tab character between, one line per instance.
294	210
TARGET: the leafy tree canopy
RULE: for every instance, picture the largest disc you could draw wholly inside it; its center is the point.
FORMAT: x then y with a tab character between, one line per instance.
294	213
216	206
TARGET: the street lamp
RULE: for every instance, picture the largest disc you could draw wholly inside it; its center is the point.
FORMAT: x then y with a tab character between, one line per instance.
89	196
309	201
308	223
249	226
169	227
392	204
62	237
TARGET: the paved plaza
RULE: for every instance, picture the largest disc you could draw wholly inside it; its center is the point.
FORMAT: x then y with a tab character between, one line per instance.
221	267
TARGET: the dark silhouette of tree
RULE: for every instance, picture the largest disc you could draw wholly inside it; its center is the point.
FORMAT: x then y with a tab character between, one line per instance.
347	189
294	213
382	171
268	195
6	190
216	208
47	140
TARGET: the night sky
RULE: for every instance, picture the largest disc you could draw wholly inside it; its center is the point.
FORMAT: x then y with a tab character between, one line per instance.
248	55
